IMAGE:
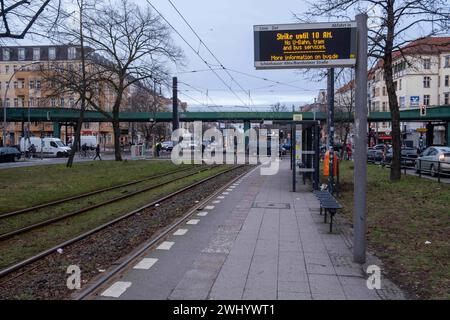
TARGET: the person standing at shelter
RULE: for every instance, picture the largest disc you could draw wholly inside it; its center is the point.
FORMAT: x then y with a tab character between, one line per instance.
158	148
97	152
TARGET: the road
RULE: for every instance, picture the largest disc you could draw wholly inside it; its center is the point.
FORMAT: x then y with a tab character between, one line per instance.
48	161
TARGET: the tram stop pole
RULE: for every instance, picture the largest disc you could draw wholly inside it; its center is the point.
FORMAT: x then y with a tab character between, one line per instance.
360	165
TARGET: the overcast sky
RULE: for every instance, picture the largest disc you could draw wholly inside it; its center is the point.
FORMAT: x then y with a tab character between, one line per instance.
226	27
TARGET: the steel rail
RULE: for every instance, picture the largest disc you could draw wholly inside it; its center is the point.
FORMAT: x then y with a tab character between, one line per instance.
13	233
154	240
87	194
84	235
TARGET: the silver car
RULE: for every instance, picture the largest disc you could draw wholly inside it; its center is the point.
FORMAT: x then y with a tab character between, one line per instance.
433	158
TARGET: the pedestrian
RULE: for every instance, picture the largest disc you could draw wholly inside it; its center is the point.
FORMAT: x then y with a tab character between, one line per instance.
158	148
32	150
349	151
97	152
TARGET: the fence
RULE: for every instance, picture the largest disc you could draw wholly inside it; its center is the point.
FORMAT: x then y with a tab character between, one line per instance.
137	151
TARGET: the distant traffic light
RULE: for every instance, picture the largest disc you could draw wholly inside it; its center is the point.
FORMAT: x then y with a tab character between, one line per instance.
423	110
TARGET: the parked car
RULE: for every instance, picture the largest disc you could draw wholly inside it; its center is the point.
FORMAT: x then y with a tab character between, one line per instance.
9	154
167	145
409	155
381	146
374	155
432	158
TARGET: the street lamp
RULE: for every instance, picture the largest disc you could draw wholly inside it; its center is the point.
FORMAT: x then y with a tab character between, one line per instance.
6	93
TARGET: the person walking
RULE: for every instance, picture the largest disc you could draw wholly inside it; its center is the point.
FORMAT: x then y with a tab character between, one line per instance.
97	152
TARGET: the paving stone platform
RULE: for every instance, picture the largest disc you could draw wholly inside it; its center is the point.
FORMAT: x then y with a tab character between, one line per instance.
257	240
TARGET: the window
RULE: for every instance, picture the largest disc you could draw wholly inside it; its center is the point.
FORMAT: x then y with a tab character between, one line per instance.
6	54
15	85
384	91
21	54
7	102
6	69
446	61
53	102
427	63
16	102
21	83
31	84
31	102
426	99
400	84
36	54
384	107
71	52
53	144
446	98
21	102
14	68
61	103
52	53
71	102
86	125
38	102
426	82
38	85
446	81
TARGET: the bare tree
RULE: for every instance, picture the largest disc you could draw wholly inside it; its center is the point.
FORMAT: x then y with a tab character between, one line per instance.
345	104
399	23
136	46
146	100
78	80
18	17
278	107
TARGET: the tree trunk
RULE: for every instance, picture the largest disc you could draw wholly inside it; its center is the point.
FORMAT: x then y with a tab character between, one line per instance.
344	144
117	146
76	140
395	173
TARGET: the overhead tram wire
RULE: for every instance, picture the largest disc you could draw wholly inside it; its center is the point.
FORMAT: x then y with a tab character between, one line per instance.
269	80
196	52
209	50
198	90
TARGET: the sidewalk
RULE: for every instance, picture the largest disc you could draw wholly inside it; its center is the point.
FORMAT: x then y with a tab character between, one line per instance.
257	240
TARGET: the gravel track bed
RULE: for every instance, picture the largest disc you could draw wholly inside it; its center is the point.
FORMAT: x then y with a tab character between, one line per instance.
46	278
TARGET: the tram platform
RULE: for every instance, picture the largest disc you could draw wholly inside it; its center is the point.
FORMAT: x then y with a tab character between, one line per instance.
255	240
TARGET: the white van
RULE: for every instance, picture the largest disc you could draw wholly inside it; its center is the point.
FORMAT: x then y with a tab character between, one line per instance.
90	141
50	147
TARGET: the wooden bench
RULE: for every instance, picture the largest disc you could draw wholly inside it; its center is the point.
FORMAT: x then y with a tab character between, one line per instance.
328	204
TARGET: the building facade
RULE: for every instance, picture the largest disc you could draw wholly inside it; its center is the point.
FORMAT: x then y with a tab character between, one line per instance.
24	84
421	77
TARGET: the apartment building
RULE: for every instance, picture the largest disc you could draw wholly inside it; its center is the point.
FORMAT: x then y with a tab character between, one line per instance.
421	77
22	68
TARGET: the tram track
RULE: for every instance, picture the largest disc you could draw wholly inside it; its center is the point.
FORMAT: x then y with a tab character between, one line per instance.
47	222
32	263
87	194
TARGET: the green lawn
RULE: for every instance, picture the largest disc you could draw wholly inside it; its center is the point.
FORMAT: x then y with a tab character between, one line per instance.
21	247
27	186
402	216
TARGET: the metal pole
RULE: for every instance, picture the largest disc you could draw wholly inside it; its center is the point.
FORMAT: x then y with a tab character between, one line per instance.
175	118
293	147
330	98
360	172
